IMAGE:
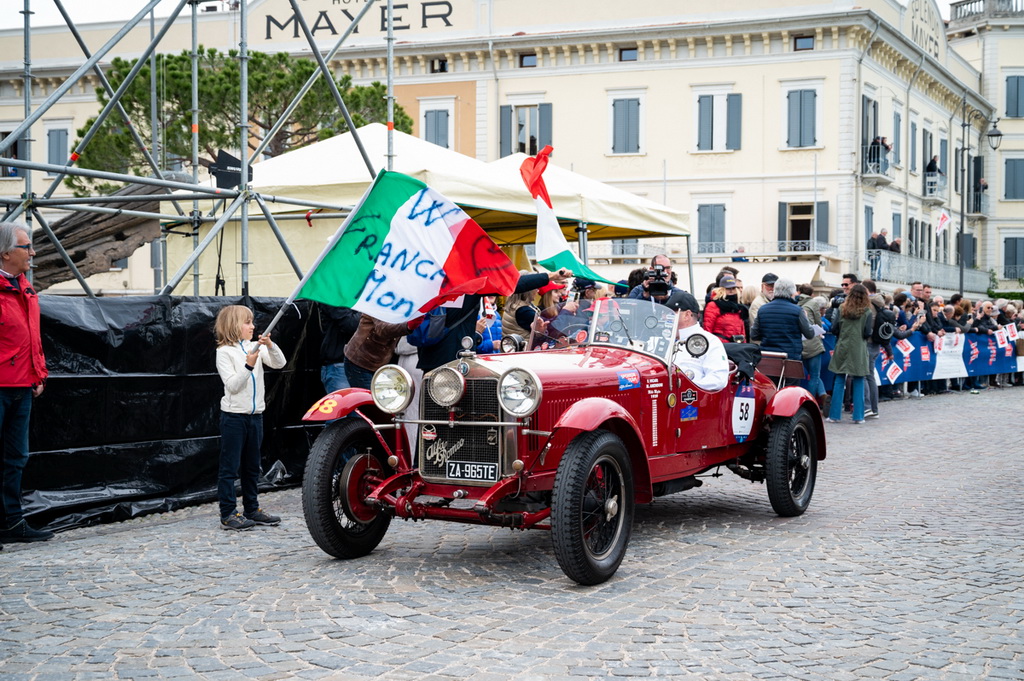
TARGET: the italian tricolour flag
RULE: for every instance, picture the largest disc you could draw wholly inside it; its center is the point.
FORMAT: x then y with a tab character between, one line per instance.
552	249
404	250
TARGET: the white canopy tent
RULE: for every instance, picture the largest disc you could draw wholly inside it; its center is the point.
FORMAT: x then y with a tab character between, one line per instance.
332	171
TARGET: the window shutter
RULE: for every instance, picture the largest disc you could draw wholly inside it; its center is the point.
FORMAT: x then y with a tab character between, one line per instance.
633	106
619	126
808	133
57	147
1014	178
821	218
869	222
897	224
441	128
505	131
913	147
718	225
1013	96
544	126
865	127
793	129
897	136
943	155
734	124
783	224
703	228
705	122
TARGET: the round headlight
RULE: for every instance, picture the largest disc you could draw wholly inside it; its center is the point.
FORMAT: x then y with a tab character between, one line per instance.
519	392
512	343
446	386
696	345
392	388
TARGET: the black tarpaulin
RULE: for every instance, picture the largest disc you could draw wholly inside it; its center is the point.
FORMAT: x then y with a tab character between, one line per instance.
128	423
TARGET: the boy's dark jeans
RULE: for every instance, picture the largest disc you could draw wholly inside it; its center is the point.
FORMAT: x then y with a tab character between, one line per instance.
240	439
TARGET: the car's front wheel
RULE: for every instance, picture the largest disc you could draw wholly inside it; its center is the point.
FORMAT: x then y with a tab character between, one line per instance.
791	463
592	507
344	465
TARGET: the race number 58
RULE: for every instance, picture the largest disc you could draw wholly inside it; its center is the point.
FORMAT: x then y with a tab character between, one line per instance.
743	413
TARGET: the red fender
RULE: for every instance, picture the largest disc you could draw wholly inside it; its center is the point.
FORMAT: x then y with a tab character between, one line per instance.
788	401
338	404
598	412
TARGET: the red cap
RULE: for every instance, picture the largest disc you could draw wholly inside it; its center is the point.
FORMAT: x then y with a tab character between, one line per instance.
550	286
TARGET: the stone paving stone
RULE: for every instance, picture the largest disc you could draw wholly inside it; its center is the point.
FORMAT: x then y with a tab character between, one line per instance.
906	566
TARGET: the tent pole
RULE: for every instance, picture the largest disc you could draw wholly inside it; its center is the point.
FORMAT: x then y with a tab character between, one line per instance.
329	77
581	232
689	263
26	149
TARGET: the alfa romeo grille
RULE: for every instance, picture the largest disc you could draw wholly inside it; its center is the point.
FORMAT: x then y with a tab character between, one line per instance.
463	453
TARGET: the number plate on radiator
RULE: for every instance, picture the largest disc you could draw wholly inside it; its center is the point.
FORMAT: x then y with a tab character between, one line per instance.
467	470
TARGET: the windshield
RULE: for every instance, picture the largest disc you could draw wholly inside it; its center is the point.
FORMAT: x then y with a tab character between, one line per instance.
639	325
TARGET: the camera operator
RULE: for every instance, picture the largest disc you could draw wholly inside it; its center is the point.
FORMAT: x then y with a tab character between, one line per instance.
657	283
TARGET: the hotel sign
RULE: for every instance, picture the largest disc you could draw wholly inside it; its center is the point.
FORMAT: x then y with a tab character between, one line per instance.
332	17
927	28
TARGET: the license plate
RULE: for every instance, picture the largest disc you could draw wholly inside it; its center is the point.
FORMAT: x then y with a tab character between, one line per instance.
466	470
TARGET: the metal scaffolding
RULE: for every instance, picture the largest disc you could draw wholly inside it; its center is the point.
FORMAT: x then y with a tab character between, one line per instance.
238	201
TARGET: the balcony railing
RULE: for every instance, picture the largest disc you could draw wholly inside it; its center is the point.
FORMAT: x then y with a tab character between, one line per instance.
977	203
758	249
1013	271
901	269
875	163
935	186
973	11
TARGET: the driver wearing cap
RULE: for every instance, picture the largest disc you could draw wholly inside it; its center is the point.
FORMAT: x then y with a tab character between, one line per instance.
705	364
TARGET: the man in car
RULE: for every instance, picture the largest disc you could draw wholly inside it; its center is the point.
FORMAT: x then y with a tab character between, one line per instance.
708	370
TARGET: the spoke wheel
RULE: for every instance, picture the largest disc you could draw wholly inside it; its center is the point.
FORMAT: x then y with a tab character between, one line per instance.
344	465
592	509
791	463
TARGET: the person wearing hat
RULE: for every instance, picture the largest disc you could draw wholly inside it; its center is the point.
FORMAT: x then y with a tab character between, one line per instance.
724	315
767	293
709	370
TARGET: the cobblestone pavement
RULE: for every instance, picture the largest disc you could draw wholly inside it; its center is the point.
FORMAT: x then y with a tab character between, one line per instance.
908	565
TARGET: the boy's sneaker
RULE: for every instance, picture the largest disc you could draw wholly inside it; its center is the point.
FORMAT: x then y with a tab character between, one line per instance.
23	532
236	522
262	518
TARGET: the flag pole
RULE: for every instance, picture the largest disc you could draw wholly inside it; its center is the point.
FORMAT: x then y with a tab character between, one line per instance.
323	254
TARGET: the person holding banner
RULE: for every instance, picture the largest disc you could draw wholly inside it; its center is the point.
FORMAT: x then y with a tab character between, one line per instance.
852	327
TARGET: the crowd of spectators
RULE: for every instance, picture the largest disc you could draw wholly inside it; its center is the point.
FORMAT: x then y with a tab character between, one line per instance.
779	315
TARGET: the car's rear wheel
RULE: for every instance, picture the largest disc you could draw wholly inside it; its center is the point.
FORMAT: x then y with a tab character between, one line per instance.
592	507
344	465
791	463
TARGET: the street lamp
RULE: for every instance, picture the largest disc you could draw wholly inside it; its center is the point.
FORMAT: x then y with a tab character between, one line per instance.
995	138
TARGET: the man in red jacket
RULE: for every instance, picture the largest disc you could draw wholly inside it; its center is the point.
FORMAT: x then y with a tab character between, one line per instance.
22	375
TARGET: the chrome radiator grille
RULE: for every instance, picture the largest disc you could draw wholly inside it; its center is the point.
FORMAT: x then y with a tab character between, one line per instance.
462	453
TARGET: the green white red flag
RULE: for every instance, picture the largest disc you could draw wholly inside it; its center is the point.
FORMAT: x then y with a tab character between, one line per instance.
552	249
404	250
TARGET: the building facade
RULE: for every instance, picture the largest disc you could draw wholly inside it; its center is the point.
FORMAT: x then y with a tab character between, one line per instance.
758	120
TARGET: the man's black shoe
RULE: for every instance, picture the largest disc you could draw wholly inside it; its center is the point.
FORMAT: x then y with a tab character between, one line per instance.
262	518
24	533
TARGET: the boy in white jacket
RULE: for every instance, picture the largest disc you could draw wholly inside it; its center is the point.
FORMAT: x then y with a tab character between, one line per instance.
240	364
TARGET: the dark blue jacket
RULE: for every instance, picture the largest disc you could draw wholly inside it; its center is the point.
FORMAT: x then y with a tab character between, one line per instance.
781	326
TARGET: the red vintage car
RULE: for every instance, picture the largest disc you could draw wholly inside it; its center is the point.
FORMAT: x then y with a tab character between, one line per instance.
567	437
